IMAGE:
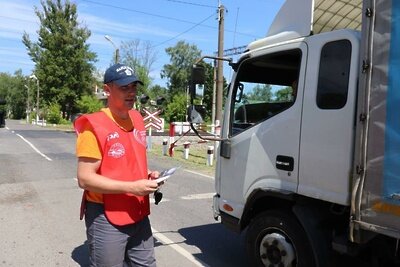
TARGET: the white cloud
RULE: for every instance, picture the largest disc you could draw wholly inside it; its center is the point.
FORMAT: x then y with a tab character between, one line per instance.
17	18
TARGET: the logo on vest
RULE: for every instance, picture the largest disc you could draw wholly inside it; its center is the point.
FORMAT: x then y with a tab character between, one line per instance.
117	150
140	136
112	136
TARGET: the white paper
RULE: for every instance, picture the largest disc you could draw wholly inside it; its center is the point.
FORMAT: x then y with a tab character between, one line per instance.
164	175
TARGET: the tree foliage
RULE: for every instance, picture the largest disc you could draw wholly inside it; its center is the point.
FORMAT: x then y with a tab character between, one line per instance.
140	56
156	91
261	93
54	114
64	63
284	94
182	57
176	108
89	104
12	90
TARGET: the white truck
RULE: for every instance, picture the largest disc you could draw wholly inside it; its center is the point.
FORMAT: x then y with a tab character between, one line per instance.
309	154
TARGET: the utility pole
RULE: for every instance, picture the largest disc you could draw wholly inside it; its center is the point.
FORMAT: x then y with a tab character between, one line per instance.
220	74
33	76
28	112
214	95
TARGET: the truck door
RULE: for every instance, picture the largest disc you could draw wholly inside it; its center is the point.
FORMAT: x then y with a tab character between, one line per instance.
328	123
264	115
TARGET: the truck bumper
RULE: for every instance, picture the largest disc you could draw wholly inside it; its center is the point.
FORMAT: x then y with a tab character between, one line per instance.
216	212
229	221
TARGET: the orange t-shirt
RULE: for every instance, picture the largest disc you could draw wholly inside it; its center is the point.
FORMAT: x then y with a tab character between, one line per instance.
87	146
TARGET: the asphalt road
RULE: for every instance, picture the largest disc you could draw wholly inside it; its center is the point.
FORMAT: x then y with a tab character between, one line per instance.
39	200
39	203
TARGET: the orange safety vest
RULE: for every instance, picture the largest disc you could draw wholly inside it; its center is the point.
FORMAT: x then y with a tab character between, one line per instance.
124	159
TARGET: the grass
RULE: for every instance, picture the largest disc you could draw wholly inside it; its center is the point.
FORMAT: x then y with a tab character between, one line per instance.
197	159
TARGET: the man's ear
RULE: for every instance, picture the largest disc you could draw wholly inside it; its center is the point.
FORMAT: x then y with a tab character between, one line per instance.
106	89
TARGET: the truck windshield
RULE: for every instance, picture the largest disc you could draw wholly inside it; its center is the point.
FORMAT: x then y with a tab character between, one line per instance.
265	86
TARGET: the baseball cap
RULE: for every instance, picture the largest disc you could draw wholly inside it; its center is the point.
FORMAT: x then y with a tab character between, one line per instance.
121	75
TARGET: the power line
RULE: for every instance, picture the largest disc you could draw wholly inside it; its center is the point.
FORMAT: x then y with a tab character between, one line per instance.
141	12
165	17
191	28
145	13
190	3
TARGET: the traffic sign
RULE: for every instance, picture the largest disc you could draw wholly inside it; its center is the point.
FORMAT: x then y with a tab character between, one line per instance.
151	119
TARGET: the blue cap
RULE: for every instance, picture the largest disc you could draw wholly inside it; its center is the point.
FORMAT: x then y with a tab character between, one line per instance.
121	75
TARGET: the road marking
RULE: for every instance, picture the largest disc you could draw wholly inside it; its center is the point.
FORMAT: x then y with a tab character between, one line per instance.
198	196
197	173
166	241
34	148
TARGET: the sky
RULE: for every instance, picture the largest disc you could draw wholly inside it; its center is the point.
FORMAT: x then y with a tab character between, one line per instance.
161	22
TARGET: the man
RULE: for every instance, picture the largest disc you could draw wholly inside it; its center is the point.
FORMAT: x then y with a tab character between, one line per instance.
112	169
294	90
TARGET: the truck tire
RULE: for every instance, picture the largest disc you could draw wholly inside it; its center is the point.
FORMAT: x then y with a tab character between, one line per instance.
276	239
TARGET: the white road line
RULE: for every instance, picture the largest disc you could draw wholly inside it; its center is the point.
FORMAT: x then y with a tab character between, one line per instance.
198	196
197	173
166	241
34	148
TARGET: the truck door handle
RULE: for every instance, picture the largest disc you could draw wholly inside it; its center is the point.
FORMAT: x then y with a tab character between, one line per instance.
284	163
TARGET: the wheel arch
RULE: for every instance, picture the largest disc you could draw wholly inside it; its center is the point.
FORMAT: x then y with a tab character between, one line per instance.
310	213
261	200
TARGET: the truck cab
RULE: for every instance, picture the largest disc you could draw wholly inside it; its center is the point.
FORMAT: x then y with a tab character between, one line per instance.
289	119
308	153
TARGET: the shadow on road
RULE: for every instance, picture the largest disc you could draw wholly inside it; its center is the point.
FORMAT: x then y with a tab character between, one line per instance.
219	246
81	255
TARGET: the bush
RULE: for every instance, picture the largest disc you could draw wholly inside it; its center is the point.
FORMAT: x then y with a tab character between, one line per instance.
89	104
54	114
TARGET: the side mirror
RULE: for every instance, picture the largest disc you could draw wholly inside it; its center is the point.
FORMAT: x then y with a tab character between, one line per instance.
239	95
197	81
196	113
199	91
198	75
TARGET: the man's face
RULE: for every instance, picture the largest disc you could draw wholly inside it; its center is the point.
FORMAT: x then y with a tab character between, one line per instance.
121	97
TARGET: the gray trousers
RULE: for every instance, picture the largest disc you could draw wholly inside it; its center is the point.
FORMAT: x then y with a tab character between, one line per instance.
118	246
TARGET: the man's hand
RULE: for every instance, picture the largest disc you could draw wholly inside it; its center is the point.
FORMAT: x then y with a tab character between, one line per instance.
153	174
143	187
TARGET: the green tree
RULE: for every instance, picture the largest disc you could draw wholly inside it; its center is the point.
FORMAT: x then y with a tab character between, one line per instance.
64	63
182	57
156	91
261	93
176	109
89	104
13	91
284	94
140	56
54	114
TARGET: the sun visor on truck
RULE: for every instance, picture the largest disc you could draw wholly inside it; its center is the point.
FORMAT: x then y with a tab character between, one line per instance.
302	18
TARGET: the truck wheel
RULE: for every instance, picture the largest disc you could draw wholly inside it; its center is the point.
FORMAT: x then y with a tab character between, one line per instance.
276	239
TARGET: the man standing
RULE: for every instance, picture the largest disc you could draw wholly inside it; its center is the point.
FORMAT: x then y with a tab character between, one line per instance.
112	169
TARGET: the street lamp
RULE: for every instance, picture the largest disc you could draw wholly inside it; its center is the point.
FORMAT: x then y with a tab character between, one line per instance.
33	77
28	109
108	38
